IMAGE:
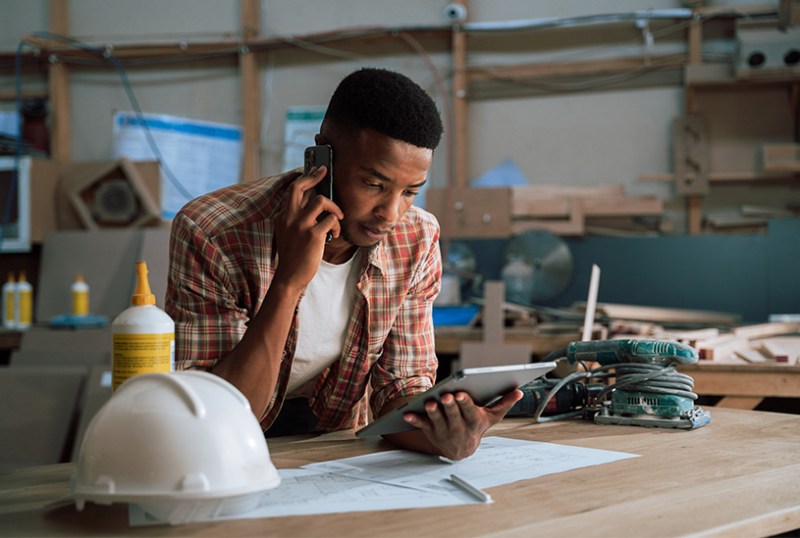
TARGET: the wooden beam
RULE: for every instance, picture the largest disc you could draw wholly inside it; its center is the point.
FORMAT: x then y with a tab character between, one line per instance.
251	93
694	203
59	87
567	69
459	138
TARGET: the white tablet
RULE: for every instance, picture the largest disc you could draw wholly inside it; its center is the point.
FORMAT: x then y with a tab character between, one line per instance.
485	385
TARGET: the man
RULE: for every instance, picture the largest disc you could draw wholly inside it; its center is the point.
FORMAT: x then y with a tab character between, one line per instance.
301	325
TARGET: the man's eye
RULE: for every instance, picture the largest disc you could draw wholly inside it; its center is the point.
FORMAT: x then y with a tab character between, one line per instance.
411	194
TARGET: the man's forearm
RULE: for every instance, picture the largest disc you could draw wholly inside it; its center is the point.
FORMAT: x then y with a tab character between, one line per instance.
254	364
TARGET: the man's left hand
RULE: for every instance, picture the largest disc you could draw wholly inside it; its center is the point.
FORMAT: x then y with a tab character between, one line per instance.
456	425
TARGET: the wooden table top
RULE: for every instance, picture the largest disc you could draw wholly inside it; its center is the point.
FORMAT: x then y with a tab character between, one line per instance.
739	475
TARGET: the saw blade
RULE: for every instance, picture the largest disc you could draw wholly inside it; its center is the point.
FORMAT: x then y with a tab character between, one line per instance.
550	259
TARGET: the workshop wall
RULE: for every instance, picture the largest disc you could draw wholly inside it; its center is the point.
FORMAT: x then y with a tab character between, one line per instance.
749	275
577	133
581	133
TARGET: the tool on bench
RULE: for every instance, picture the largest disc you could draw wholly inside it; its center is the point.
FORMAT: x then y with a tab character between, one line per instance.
647	389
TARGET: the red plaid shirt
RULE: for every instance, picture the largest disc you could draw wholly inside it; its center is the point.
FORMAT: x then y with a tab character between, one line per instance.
222	262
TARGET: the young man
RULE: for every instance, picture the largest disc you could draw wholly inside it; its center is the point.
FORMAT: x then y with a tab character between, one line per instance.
301	325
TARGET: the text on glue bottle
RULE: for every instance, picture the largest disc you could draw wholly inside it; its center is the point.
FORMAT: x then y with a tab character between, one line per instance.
143	335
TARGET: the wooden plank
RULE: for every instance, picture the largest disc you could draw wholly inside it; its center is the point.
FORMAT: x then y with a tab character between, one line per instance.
613	207
251	93
751	355
656	314
780	157
525	193
568	69
739	402
762	330
574	225
542	207
468	212
721	348
460	134
59	88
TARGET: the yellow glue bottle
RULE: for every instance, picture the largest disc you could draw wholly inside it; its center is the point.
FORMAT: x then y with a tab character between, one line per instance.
80	296
24	296
10	302
143	335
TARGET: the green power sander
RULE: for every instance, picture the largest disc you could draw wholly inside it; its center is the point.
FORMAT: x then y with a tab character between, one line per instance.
636	384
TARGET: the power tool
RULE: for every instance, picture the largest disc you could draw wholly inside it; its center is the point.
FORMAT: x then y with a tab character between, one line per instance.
647	389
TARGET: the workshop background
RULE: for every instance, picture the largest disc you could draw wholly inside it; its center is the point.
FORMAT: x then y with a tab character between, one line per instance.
657	139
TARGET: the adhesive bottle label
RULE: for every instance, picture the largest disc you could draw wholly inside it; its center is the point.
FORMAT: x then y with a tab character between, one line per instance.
25	308
141	354
80	303
9	311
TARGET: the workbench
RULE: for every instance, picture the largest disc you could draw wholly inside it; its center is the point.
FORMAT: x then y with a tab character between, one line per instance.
736	476
744	386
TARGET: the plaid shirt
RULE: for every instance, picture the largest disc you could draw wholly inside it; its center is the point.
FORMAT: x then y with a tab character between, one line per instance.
222	262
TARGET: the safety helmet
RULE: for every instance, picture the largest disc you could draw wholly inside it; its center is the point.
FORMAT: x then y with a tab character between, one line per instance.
184	446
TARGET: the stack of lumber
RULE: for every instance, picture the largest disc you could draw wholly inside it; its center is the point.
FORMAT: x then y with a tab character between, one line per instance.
564	210
766	342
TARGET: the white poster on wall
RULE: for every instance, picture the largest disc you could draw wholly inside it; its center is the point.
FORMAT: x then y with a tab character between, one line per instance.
196	156
302	123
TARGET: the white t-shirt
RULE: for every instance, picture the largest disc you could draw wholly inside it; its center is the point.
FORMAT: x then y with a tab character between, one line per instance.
323	316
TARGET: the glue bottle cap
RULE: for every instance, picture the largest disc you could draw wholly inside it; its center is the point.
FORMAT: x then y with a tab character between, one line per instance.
79	277
142	295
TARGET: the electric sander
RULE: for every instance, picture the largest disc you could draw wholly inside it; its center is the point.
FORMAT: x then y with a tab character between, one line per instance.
636	383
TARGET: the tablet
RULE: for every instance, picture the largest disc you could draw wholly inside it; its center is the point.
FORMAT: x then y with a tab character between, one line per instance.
485	385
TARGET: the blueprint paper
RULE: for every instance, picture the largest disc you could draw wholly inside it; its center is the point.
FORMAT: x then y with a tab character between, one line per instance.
497	461
400	479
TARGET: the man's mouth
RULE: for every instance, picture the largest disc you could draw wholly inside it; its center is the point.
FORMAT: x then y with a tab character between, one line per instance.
376	233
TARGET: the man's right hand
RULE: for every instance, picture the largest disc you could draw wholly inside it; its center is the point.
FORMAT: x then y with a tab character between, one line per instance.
299	237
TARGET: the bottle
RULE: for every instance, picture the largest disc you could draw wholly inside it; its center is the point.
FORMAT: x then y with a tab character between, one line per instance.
517	276
10	303
80	296
24	296
143	335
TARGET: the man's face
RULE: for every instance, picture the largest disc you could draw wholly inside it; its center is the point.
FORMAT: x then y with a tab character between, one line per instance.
375	181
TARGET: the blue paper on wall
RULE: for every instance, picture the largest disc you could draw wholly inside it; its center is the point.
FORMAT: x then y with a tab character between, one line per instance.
505	174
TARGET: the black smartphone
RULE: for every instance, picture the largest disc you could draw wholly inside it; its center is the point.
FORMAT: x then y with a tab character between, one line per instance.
321	155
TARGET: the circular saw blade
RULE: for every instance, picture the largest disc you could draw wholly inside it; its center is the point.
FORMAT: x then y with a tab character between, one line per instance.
550	259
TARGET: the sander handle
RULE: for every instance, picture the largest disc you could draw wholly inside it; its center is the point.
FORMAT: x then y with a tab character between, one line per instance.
646	351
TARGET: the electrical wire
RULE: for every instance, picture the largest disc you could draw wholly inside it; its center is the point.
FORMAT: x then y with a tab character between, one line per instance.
107	54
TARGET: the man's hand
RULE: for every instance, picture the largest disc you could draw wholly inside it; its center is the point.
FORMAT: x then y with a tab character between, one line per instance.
455	426
299	238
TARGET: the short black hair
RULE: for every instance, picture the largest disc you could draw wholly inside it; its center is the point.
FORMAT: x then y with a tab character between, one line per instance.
388	102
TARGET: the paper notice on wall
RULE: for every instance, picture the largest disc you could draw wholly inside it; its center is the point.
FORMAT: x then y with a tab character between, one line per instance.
302	123
196	156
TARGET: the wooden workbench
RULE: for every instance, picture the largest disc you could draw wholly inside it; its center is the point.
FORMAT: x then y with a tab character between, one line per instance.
738	476
744	386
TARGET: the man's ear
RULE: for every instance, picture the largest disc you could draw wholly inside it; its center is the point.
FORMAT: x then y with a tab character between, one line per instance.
319	139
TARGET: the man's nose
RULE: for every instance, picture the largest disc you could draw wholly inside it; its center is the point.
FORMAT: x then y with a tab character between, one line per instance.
389	208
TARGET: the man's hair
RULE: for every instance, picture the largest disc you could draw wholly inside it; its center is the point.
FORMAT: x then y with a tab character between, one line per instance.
388	102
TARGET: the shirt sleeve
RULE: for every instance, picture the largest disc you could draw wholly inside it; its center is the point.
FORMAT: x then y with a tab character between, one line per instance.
408	364
201	298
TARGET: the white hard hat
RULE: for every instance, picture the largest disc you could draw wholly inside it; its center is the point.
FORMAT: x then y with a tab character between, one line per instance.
184	446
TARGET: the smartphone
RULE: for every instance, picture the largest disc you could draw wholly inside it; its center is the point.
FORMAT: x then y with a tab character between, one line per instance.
321	156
